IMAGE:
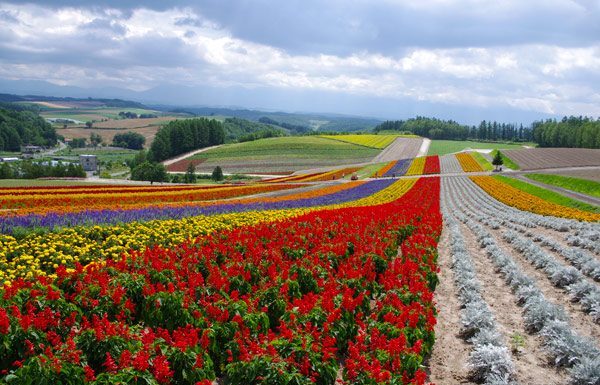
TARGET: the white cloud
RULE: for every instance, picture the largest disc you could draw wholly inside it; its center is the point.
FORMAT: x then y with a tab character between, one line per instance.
145	48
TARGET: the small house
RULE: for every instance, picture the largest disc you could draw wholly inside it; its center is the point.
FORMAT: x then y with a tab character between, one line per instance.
89	162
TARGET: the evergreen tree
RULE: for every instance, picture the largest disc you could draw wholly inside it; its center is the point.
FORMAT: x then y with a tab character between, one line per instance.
217	174
497	161
190	174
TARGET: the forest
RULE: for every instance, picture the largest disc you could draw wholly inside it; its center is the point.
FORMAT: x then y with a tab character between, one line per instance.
19	128
181	136
569	132
434	128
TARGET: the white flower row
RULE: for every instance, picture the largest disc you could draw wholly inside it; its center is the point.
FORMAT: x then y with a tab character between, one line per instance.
449	164
490	360
541	316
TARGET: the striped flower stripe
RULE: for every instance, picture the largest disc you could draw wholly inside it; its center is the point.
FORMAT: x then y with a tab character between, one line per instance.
468	163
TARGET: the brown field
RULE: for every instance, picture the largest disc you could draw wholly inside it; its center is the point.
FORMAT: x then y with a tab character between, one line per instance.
133	123
72	104
538	158
182	165
401	148
106	133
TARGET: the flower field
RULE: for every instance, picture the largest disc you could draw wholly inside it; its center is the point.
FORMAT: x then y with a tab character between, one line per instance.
374	141
468	162
527	202
300	296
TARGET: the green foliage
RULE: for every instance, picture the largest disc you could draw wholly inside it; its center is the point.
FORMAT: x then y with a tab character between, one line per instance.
498	161
18	128
548	195
583	186
569	132
95	139
443	147
180	136
33	170
217	174
77	143
243	130
448	129
131	140
190	174
482	161
152	172
506	161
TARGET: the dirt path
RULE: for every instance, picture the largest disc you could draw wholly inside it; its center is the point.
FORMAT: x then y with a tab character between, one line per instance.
531	362
424	147
187	155
401	148
447	364
563	191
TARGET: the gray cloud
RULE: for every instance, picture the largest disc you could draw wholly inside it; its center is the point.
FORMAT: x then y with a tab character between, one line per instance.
538	55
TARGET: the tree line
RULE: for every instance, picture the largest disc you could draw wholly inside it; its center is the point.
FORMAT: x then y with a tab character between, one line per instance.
18	128
181	136
34	170
434	128
569	132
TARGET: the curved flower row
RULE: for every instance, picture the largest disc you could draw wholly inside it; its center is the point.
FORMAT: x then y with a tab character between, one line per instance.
527	202
40	254
468	163
281	302
60	203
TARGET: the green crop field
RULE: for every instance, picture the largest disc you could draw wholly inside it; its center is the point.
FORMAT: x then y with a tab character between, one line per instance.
103	154
583	186
548	195
484	163
443	147
40	182
507	161
290	147
284	154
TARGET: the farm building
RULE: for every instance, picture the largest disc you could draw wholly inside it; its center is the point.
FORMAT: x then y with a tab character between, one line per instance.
29	150
88	162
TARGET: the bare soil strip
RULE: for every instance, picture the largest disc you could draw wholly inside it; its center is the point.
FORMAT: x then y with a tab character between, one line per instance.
533	366
447	364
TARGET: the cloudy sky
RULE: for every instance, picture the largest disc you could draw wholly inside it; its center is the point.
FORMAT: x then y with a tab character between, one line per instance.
383	58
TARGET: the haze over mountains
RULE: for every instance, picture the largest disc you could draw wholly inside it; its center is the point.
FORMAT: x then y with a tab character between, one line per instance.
269	99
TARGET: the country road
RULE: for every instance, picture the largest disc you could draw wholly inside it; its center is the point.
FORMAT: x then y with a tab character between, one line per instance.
187	155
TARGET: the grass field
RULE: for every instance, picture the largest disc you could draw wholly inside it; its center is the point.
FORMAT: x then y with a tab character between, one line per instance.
583	186
548	195
367	171
484	163
443	147
290	147
284	154
507	161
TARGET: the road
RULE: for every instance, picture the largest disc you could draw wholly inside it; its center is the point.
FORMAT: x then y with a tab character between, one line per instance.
187	155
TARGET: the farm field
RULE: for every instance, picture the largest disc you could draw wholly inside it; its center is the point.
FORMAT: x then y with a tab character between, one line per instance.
591	174
283	154
583	186
107	134
104	154
373	141
538	158
411	280
443	147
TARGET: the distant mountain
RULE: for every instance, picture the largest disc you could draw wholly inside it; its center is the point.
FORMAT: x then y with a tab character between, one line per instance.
118	103
309	102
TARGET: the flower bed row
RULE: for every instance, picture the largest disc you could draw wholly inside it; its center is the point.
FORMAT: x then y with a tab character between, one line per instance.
527	202
40	254
60	203
279	303
468	162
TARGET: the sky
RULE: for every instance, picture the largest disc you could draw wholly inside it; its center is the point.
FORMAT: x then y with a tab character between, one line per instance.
461	58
